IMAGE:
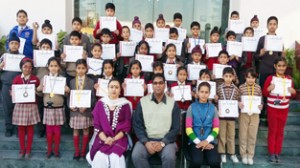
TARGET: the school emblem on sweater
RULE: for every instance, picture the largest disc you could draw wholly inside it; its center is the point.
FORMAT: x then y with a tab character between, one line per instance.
27	34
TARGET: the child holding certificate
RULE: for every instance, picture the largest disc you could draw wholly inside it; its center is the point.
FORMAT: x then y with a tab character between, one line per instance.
214	38
177	20
135	72
195	29
169	55
136	23
96	54
249	120
81	118
47	31
197	60
228	92
6	82
149	31
25	115
277	106
173	35
234	60
158	67
53	104
160	21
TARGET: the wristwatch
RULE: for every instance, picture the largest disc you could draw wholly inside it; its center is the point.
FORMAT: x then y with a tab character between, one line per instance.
162	144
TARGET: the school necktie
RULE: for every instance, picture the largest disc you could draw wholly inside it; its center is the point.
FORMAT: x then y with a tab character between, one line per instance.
80	83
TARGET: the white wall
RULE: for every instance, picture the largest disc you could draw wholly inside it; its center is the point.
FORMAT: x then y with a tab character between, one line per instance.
59	12
288	13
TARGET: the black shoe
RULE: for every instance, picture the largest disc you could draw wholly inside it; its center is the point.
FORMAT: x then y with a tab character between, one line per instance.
48	155
278	160
76	156
8	133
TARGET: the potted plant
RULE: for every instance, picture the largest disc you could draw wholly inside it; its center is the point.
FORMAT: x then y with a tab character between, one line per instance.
290	58
2	45
295	76
60	38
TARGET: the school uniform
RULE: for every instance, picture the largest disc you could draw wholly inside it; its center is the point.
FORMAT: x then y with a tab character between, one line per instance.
220	81
115	37
182	105
85	42
134	99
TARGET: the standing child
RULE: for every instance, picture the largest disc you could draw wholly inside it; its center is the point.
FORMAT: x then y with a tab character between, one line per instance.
214	38
227	91
277	109
136	23
149	31
169	55
195	30
107	72
177	20
235	16
160	21
204	75
96	54
234	60
248	122
158	67
81	118
54	113
197	59
7	78
25	32
109	12
173	35
26	115
254	22
47	29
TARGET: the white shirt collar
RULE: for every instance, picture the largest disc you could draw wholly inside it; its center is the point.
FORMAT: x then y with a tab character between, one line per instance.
199	63
25	77
54	75
135	78
108	77
81	78
170	60
180	84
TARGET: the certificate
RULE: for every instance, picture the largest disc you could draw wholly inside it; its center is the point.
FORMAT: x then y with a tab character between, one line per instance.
41	57
12	62
22	45
146	61
258	33
228	108
108	22
162	34
73	53
213	49
136	35
250	44
237	26
218	70
281	86
95	66
178	45
80	98
213	88
54	85
273	43
134	87
127	49
235	48
181	34
170	72
193	71
193	42
150	88
182	93
108	51
50	37
23	93
155	45
251	104
102	90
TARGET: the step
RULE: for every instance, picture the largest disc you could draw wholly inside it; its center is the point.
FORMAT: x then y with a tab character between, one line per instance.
293	118
294	106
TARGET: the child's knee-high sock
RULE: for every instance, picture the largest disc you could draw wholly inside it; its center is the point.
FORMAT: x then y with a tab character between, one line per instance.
21	136
30	132
76	143
85	141
57	134
49	131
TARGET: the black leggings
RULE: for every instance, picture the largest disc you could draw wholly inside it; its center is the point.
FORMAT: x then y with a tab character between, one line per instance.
206	157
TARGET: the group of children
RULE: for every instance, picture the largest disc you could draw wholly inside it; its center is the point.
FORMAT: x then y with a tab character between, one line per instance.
53	110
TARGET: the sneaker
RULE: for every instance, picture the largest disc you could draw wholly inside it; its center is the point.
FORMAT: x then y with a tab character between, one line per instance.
223	158
27	155
234	159
244	160
278	160
250	161
21	154
272	158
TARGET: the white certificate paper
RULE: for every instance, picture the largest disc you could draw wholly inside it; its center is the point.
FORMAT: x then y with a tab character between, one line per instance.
155	45
213	49
178	45
51	37
237	26
218	70
251	102
181	34
102	90
12	62
273	43
80	98
134	87
54	85
41	57
234	48
22	45
279	86
94	66
228	108
250	44
162	34
146	61
194	70
170	72
23	93
108	22
213	88
193	42
127	48
108	51
136	35
182	92
73	53
150	88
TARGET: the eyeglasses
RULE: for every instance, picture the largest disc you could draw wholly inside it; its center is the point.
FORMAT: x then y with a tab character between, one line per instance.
158	83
